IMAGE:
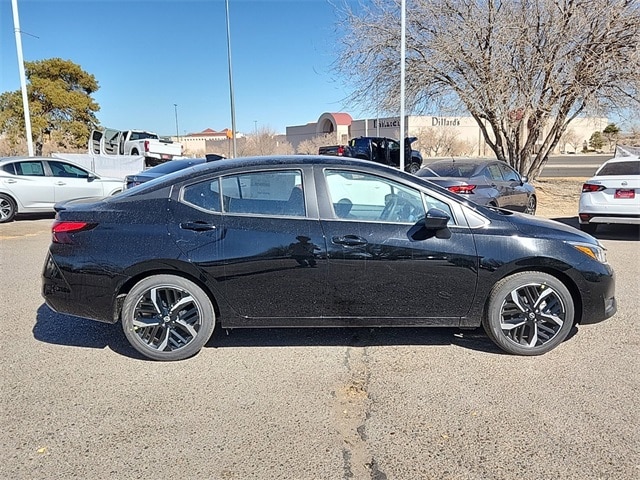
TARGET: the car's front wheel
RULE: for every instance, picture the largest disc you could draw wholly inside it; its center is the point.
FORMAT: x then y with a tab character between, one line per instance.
8	208
166	317
532	203
413	167
529	313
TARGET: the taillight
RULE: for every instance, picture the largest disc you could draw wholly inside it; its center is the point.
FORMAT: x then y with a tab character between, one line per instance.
590	187
61	231
340	150
464	189
146	145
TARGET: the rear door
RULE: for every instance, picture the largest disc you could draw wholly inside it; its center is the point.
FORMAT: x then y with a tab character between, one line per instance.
378	267
257	236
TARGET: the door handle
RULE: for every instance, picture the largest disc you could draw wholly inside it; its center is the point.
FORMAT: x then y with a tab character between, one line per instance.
11	180
349	240
198	226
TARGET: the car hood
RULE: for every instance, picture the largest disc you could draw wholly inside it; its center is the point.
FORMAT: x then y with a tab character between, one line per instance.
537	227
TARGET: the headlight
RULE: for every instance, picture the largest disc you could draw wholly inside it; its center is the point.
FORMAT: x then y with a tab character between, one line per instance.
597	252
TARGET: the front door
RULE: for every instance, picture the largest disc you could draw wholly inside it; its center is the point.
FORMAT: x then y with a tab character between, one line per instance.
378	268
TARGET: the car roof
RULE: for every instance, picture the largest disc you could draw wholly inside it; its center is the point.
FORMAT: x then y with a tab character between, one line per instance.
26	157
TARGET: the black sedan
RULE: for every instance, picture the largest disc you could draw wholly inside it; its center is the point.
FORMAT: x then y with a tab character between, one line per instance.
487	182
307	241
166	168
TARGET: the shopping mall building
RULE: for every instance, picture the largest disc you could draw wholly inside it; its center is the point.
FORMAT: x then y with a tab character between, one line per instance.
463	132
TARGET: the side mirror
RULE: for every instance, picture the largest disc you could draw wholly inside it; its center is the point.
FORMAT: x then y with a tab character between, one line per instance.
524	179
436	219
433	224
91	177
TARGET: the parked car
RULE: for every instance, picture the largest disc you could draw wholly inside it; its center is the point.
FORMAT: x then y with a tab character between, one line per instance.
35	184
313	241
378	149
166	168
612	195
486	182
160	170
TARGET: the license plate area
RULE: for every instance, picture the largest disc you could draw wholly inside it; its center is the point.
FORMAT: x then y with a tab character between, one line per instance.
625	193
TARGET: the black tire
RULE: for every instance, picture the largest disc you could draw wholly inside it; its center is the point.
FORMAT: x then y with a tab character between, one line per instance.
529	313
413	168
166	317
8	208
532	204
589	228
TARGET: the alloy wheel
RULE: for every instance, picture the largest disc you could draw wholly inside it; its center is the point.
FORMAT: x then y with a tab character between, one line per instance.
532	315
167	318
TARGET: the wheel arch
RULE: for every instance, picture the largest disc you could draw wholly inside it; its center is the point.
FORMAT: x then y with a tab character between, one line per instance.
126	287
563	277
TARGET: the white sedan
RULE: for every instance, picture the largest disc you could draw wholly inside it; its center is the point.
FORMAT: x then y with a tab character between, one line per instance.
36	184
612	195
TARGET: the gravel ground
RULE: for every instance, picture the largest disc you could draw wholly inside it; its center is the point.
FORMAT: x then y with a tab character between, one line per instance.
558	197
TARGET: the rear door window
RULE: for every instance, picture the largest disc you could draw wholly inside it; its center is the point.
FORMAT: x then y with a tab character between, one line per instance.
279	193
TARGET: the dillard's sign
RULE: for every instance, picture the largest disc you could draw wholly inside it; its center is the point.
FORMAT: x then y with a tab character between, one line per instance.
445	122
435	122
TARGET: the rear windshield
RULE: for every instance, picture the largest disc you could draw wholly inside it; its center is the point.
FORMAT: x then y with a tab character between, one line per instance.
621	168
173	166
462	170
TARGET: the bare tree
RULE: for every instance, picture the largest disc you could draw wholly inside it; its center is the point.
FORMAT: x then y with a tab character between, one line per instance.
571	138
264	142
523	69
434	142
311	146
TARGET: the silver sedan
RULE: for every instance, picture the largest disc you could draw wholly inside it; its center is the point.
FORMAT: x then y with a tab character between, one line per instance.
486	182
35	184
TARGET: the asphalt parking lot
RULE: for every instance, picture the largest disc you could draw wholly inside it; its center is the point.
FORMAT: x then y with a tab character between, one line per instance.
78	402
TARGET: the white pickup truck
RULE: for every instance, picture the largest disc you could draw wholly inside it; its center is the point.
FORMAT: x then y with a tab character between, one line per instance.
154	149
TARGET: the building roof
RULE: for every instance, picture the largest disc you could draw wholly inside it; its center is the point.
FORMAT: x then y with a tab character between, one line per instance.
342	118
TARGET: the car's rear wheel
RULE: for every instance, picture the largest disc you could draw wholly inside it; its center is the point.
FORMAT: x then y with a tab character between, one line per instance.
529	313
166	317
8	208
532	203
589	228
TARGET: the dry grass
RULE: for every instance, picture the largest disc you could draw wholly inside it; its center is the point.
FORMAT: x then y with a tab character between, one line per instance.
558	197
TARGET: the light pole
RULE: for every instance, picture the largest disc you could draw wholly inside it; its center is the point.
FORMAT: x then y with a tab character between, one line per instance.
23	80
233	107
255	127
403	38
175	108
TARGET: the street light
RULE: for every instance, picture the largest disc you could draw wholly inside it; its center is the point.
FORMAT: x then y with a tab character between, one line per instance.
233	108
23	81
175	107
403	39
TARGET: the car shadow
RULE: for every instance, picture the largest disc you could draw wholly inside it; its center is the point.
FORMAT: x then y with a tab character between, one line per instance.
606	231
34	216
59	329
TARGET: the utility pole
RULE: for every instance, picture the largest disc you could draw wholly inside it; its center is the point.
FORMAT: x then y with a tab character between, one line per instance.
23	80
175	107
233	107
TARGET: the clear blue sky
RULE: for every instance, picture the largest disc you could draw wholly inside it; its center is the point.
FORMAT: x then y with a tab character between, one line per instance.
148	55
